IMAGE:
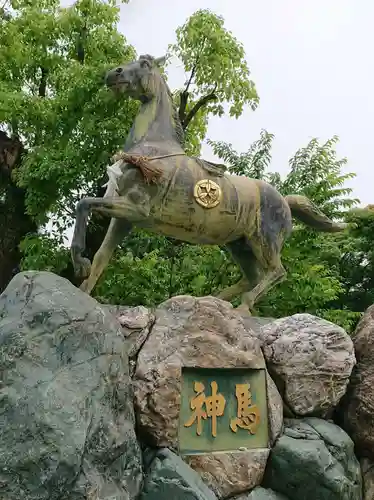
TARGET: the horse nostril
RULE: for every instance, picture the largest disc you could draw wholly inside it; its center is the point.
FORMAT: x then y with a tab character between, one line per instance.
119	70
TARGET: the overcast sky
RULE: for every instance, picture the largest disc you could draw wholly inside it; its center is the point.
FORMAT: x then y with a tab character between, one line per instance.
312	63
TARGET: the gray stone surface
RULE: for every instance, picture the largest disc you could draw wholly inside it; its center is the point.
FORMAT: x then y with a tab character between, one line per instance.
256	323
260	493
208	333
310	360
356	411
136	323
367	468
170	478
66	414
314	459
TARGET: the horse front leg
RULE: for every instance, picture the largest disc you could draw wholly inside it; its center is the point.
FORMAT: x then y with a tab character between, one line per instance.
118	208
82	265
117	230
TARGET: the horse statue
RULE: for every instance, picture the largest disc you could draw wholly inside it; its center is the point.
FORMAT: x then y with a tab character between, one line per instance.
154	185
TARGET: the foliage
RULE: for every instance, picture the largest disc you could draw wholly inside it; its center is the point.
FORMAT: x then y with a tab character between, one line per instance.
218	74
253	163
52	64
216	62
317	173
56	116
356	262
69	123
44	253
314	281
159	274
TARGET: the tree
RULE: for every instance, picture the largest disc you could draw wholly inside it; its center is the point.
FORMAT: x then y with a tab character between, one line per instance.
58	125
221	65
356	262
253	163
313	260
59	128
217	75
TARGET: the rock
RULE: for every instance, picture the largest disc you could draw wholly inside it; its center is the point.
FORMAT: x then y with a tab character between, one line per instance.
67	420
254	324
314	459
231	473
367	468
136	323
260	493
206	333
169	477
356	412
310	360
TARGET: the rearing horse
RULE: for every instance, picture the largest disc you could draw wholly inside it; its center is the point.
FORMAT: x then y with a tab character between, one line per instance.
154	185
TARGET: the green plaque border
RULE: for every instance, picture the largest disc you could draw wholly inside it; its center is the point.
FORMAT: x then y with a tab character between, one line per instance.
189	443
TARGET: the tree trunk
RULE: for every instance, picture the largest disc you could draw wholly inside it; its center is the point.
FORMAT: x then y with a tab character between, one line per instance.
14	222
14	226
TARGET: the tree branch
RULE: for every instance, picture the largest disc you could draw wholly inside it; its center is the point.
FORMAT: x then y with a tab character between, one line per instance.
183	105
81	41
10	153
43	82
185	94
200	103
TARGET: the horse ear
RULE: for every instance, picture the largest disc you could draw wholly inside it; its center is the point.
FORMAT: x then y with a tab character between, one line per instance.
160	61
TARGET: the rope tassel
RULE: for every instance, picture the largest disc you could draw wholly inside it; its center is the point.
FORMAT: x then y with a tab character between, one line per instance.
150	173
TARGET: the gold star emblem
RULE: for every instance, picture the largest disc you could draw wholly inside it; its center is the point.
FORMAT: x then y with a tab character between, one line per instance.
207	193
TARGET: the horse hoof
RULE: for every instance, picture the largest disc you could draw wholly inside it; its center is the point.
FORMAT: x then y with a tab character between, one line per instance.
83	286
82	268
244	309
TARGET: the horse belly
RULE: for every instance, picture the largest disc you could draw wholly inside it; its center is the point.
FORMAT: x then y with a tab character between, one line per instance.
180	216
200	227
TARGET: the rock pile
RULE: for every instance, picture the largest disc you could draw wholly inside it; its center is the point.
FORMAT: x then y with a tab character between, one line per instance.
206	333
76	376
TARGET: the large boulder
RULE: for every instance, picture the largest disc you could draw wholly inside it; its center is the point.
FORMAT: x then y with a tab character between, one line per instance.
356	412
67	420
314	459
367	468
260	493
136	323
169	477
205	333
310	360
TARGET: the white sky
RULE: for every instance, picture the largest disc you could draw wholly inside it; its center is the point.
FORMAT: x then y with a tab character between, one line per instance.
312	64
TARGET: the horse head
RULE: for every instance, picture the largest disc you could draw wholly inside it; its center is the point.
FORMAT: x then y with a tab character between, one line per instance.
139	79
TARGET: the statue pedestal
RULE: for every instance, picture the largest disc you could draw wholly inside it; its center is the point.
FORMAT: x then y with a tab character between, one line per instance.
202	390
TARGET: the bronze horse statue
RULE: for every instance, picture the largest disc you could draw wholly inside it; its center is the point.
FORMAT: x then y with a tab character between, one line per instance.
154	185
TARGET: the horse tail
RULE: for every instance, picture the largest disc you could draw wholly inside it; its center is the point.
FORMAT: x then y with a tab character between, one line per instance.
308	213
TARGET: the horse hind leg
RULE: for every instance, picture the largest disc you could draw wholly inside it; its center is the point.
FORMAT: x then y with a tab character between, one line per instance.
233	291
274	273
243	255
117	230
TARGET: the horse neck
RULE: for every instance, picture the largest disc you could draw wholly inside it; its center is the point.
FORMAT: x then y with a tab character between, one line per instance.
154	129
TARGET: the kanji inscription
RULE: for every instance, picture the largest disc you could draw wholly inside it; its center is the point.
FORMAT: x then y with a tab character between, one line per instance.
223	409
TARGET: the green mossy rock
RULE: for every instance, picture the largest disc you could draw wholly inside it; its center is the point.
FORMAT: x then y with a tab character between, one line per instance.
314	459
170	478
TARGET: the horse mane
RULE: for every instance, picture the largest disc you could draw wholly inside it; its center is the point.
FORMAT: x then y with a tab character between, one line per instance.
175	112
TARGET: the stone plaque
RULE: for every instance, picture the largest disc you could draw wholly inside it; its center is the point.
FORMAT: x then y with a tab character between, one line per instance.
223	410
